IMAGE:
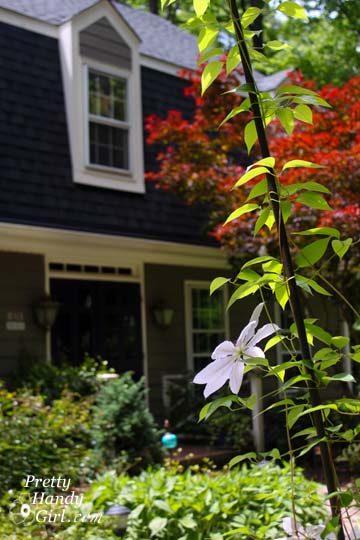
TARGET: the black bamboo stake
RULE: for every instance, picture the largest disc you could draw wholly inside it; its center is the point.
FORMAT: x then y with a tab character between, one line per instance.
296	307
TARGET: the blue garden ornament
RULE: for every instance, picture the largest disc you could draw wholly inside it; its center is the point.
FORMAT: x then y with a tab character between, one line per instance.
169	440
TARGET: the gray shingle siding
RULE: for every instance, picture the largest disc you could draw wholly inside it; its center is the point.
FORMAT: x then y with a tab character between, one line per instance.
35	169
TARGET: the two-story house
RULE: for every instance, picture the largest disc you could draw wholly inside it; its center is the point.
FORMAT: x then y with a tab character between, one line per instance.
128	265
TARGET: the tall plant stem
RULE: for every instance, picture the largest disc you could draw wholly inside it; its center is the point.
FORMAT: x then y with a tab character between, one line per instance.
296	307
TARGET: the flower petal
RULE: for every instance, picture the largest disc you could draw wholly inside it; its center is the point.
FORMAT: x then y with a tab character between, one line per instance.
246	334
214	375
236	377
257	312
253	352
249	330
225	349
263	332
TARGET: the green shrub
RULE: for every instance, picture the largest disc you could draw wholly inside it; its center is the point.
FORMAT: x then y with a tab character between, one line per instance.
187	506
123	425
196	506
51	380
43	440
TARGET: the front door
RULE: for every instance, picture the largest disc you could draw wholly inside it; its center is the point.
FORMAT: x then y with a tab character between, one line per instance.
98	318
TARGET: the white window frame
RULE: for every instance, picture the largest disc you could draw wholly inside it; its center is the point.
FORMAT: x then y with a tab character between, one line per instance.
75	74
110	72
189	287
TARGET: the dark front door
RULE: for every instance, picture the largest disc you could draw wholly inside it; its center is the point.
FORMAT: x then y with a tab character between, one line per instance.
98	318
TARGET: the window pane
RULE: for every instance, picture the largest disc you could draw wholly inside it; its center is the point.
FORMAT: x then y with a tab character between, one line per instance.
108	146
107	96
208	324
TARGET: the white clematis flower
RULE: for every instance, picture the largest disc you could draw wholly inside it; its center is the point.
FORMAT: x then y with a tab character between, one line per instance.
310	532
229	359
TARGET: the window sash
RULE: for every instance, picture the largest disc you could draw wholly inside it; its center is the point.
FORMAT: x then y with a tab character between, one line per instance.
196	309
107	154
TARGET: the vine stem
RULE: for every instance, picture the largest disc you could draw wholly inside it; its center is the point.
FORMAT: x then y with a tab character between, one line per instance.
294	298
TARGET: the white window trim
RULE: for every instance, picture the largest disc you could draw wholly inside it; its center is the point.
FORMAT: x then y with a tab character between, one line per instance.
111	72
189	286
74	70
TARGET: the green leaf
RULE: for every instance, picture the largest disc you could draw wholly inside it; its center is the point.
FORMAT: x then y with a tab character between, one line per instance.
339	341
238	459
156	525
217	283
313	284
303	113
258	190
315	186
273	341
266	162
355	356
244	107
249	16
241	211
294	415
233	59
311	253
301	163
343	377
259	260
276	45
324	231
308	186
166	3
285	209
249	175
318	332
209	54
188	522
270	220
207	36
275	267
292	9
250	402
250	135
209	75
200	6
286	117
313	200
340	247
213	406
261	220
248	275
294	89
241	292
282	294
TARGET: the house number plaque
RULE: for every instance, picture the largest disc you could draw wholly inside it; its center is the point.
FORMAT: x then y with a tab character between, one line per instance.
15	321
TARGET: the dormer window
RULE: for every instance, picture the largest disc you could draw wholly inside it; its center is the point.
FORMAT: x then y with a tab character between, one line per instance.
108	121
101	72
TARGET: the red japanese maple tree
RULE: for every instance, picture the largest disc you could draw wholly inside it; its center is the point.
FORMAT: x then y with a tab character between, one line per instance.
201	162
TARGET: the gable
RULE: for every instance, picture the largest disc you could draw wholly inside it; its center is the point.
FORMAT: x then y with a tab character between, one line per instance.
101	42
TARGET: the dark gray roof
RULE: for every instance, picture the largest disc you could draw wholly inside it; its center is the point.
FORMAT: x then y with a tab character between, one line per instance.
159	38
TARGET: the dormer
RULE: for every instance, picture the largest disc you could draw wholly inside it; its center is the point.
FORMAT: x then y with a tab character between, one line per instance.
101	75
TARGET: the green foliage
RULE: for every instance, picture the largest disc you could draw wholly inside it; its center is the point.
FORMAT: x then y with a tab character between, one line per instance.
123	425
50	380
194	506
328	43
42	440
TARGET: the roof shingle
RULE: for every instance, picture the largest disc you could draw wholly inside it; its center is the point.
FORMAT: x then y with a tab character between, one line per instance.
159	38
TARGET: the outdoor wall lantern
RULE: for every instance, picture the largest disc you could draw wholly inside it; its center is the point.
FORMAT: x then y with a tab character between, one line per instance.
120	515
163	315
45	310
